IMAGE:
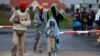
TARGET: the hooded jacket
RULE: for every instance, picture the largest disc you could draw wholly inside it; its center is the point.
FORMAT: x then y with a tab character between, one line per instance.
56	31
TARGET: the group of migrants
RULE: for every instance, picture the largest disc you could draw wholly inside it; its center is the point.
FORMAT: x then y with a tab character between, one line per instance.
45	23
83	19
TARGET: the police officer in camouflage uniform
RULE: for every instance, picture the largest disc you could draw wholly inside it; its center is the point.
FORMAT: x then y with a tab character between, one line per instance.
40	20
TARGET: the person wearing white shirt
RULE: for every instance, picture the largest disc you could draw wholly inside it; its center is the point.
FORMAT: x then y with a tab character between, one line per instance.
21	20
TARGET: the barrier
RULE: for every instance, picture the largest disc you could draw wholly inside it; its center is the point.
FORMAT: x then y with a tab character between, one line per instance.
79	32
6	26
65	32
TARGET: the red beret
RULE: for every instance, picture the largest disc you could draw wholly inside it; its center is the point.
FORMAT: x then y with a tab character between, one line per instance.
23	5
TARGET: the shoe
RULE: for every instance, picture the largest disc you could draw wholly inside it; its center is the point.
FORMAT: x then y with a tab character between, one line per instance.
55	54
40	50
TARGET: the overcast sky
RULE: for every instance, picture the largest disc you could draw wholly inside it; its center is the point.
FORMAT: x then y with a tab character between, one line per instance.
4	1
67	2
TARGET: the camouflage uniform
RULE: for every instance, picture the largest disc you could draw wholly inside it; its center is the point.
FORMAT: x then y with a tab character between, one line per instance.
40	20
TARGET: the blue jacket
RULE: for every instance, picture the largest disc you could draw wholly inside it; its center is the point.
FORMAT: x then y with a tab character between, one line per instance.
56	31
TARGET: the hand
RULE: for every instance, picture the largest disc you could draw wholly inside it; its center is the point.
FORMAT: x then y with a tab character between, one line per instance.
51	30
85	21
17	20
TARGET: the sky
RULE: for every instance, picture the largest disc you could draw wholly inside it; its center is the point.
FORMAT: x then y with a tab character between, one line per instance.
4	1
67	2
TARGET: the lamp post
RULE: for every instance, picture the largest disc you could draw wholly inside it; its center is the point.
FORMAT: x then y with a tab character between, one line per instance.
64	3
97	1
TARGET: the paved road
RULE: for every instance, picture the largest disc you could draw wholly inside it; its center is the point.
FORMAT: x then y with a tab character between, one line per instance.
70	45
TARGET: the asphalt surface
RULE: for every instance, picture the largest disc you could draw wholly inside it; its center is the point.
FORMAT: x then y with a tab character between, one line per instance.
70	45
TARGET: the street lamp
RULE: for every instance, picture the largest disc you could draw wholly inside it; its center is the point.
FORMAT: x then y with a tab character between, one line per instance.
97	1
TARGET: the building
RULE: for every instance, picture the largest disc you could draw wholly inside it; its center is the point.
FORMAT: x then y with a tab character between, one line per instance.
35	3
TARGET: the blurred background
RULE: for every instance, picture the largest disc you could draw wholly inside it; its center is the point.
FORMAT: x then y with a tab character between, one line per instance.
66	7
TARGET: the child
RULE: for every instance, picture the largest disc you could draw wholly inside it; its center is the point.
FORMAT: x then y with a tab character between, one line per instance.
20	20
52	33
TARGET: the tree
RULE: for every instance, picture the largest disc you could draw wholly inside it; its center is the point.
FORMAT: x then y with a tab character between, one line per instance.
5	7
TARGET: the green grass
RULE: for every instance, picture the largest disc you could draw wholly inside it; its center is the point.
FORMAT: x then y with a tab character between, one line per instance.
66	25
4	18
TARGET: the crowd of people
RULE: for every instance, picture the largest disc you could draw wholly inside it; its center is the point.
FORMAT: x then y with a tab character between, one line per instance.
46	24
43	23
83	20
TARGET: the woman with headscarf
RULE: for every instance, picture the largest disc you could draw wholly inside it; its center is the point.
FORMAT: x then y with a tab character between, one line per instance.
21	20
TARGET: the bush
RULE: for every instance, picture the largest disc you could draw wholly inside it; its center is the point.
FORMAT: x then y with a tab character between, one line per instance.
4	18
5	7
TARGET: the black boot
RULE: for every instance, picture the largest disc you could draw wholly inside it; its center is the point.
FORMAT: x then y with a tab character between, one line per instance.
49	53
